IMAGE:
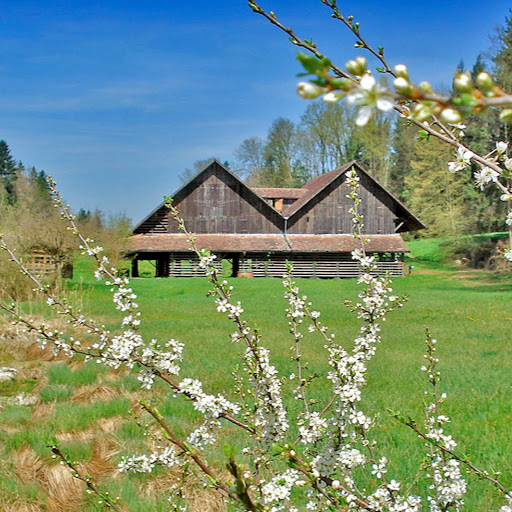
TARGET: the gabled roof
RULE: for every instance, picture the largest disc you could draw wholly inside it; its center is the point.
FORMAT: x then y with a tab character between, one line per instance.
318	184
279	193
315	186
216	167
304	196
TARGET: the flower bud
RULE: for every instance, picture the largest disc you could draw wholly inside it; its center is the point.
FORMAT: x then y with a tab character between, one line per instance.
403	87
421	112
463	83
333	97
309	91
341	83
450	115
506	115
361	61
501	147
402	71
426	88
484	81
356	67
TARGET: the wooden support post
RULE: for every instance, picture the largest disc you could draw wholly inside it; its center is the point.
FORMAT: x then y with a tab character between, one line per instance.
135	267
162	266
236	265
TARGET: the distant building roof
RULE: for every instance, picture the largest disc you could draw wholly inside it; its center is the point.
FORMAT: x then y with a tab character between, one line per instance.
314	186
279	193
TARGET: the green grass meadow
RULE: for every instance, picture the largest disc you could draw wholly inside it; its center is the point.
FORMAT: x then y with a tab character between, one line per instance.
88	407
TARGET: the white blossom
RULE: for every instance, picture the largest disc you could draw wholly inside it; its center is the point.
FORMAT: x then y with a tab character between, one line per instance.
462	161
484	176
370	96
146	463
278	490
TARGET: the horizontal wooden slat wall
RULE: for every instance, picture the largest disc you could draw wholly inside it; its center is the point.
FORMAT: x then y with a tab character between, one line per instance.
325	266
186	265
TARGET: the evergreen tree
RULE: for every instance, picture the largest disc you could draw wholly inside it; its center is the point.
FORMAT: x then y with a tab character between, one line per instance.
8	165
503	57
503	72
8	172
403	153
439	198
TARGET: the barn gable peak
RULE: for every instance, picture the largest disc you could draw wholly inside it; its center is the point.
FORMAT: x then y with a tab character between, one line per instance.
213	176
321	185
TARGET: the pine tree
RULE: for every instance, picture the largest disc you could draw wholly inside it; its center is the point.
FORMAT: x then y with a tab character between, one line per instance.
436	196
7	163
404	144
503	58
8	172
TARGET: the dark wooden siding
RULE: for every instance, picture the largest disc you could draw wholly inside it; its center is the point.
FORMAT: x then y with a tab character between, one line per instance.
328	212
158	222
222	205
216	202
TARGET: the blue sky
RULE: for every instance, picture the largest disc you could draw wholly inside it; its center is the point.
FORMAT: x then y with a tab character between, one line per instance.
116	98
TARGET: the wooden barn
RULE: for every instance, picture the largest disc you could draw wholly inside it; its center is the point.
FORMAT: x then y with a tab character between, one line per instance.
259	229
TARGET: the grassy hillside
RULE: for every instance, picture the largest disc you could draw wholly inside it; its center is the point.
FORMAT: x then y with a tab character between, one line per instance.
88	408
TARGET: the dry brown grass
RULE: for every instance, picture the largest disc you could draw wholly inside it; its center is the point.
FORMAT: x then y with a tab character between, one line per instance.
84	436
198	498
20	506
102	426
35	353
108	425
13	341
65	493
93	393
101	463
114	375
18	345
27	464
206	500
58	491
43	410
